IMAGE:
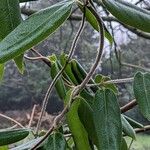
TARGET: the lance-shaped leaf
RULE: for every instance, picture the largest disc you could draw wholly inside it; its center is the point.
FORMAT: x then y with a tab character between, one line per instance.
10	18
12	136
107	120
129	14
33	30
141	88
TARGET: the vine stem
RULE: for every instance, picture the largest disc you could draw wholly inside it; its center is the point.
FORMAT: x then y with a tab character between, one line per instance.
45	101
57	120
100	50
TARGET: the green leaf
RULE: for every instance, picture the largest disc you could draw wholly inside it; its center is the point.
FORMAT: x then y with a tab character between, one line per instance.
141	87
20	63
1	71
22	1
12	136
56	141
129	14
10	18
93	21
124	145
107	120
33	30
100	79
77	129
127	128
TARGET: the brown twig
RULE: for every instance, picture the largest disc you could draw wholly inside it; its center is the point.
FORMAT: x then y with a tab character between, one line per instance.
32	115
145	128
11	119
128	106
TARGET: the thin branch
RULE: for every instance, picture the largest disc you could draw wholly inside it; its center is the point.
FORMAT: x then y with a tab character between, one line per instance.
145	128
135	66
36	58
11	119
56	121
45	60
128	106
32	115
45	101
116	81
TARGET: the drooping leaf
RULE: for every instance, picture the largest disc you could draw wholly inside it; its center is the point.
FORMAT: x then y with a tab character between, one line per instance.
127	128
55	141
129	14
141	87
76	127
33	30
93	21
107	120
12	136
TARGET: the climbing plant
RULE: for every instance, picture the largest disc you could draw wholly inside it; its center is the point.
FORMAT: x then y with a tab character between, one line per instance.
91	117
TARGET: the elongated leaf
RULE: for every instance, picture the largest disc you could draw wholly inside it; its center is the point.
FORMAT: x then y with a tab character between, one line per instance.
129	14
107	120
76	127
55	141
92	20
33	30
141	88
127	128
10	18
12	136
